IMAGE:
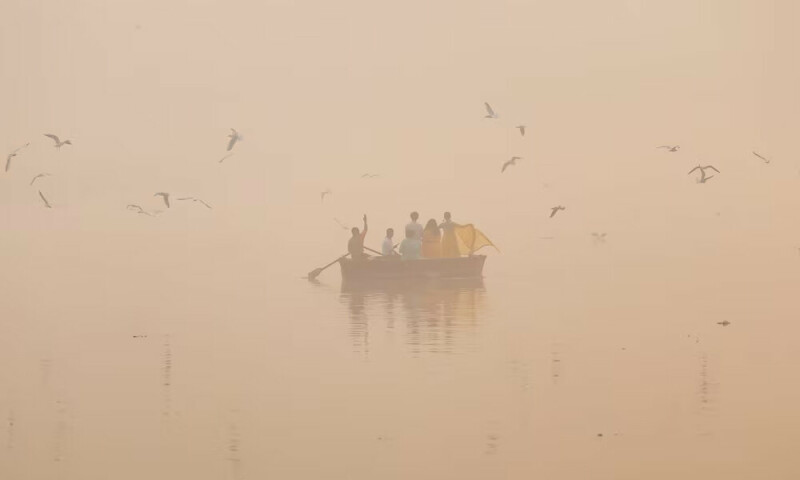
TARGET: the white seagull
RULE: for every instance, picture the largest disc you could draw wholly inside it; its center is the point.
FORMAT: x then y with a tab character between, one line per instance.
59	143
196	200
13	154
46	203
234	137
766	160
489	112
671	148
40	176
555	210
521	129
599	237
513	161
344	227
165	196
703	178
139	210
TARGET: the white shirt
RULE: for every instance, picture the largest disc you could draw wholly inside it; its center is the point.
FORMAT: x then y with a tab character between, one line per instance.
417	227
387	247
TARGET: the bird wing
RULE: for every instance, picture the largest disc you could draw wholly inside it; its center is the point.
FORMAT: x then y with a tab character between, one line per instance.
54	137
505	165
759	156
522	130
186	198
20	148
46	203
665	146
489	109
712	168
226	156
695	169
204	203
232	142
553	212
36	177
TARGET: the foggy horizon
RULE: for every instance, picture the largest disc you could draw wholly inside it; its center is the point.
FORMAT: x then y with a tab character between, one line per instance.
188	343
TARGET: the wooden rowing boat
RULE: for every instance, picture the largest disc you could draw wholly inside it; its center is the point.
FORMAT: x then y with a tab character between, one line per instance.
387	268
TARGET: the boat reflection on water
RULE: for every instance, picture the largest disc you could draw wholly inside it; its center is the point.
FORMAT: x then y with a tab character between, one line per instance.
432	315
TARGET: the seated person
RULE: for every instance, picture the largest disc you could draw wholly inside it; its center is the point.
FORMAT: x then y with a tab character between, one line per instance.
410	247
387	249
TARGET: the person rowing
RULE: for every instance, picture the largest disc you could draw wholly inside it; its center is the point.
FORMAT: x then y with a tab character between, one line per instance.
355	246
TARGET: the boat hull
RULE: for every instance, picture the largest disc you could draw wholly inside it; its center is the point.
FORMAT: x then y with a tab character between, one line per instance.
391	268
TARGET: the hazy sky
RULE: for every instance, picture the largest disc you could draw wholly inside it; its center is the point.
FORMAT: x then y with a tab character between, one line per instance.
325	91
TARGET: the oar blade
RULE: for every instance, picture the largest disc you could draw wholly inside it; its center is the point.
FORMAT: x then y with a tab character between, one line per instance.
313	274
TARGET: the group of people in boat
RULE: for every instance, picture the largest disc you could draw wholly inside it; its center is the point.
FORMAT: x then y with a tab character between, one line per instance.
434	240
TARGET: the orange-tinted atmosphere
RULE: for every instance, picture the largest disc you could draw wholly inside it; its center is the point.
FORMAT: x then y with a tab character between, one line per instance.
648	330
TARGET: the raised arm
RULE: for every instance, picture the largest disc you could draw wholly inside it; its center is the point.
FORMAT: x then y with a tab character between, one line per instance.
364	232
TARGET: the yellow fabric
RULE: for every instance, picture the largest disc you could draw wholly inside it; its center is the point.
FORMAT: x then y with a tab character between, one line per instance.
470	239
450	244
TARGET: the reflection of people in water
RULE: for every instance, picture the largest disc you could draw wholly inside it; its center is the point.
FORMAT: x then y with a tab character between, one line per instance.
432	317
355	246
431	240
449	241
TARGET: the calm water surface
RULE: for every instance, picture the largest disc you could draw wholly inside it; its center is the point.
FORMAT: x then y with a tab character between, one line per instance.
217	360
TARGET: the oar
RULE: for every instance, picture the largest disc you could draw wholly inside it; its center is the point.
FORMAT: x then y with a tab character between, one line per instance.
315	273
379	253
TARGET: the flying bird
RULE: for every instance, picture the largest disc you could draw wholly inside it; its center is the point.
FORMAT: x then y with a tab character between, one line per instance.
671	148
196	200
139	210
165	196
489	112
226	156
703	178
521	129
766	160
513	161
555	210
322	195
234	137
59	143
344	227
14	154
39	176
46	203
724	323
599	237
370	175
